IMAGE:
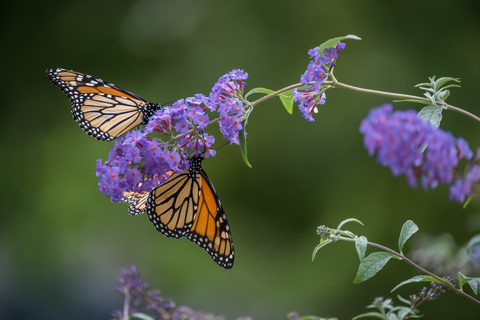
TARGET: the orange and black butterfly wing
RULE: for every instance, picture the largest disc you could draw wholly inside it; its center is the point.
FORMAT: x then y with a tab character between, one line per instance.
137	202
210	229
187	205
172	206
104	110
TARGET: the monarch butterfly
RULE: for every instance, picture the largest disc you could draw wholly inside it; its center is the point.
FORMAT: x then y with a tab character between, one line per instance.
104	110
187	205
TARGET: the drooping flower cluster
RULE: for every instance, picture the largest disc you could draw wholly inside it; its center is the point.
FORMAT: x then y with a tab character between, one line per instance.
409	145
227	94
138	162
317	71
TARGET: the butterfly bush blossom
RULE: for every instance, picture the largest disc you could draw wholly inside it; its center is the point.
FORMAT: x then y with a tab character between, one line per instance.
317	71
137	292
138	161
409	145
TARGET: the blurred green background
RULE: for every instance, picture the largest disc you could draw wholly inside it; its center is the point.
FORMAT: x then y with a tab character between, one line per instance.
63	243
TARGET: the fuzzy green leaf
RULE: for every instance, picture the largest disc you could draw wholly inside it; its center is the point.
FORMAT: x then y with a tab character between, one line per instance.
425	84
371	265
463	279
446	95
287	100
361	246
402	312
348	220
258	90
432	114
474	283
413	100
408	229
333	42
441	81
399	297
319	246
285	97
451	86
243	144
421	278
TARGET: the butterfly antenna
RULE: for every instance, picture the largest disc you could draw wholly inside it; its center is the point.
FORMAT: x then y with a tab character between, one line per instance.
223	145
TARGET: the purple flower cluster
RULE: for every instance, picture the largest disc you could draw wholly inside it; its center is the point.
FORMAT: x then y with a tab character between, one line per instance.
139	162
227	94
433	293
130	284
409	145
318	69
134	290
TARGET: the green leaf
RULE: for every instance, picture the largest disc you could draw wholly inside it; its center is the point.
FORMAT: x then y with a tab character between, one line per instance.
243	143
474	284
371	265
348	220
428	89
361	246
451	86
472	243
413	100
285	97
408	229
333	42
432	114
287	100
347	233
446	95
463	279
467	202
142	316
319	246
258	90
425	84
402	312
392	316
441	81
403	299
421	278
369	314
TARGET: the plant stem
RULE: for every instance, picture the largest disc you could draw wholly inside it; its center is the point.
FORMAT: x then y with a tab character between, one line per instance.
416	266
336	84
126	306
273	94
